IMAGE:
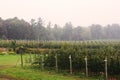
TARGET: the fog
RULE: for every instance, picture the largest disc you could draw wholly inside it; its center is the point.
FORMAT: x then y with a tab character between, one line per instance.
79	12
15	28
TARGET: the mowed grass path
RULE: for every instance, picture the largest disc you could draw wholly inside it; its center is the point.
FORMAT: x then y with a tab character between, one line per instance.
10	65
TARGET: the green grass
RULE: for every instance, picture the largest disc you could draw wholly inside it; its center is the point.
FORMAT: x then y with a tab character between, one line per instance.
11	60
11	64
33	75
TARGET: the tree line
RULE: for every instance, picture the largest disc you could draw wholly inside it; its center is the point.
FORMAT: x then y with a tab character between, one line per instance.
19	29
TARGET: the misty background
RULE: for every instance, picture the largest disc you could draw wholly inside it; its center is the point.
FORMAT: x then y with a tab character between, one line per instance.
68	20
79	12
19	29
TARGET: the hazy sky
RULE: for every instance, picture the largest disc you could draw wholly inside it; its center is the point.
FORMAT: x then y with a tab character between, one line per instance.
79	12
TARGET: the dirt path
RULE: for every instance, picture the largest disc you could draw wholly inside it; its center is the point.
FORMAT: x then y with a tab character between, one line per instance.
5	77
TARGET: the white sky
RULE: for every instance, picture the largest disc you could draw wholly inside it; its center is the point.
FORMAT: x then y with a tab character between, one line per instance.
79	12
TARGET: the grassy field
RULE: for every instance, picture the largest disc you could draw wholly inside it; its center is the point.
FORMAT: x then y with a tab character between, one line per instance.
10	60
10	66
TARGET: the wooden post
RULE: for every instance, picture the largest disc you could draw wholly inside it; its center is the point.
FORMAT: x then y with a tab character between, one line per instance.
56	62
70	64
30	59
21	52
42	63
106	74
86	66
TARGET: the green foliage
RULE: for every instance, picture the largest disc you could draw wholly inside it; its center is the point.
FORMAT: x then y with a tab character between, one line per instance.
13	45
3	53
95	51
9	65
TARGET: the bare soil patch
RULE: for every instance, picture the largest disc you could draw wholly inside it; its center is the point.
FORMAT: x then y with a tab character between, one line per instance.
3	49
6	77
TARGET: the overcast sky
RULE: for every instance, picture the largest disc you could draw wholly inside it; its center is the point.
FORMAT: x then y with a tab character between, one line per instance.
79	12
